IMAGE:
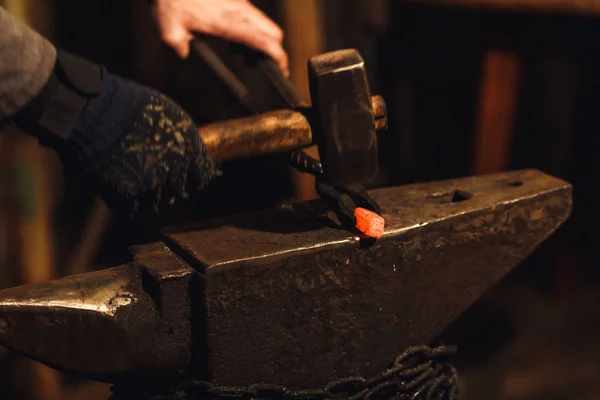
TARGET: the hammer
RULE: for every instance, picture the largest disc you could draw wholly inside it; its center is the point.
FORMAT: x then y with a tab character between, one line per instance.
270	132
342	122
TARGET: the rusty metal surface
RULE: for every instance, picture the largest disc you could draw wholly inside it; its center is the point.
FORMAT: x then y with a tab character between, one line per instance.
268	133
277	297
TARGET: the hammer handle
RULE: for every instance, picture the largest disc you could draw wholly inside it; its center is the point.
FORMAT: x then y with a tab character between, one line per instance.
267	133
235	87
282	84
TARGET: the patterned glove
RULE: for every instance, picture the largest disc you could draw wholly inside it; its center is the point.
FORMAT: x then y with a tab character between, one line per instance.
134	143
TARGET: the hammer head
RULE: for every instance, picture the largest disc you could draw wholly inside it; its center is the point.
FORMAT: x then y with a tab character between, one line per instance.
344	123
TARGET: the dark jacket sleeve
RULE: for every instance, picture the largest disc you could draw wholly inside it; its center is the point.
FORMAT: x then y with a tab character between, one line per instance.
26	60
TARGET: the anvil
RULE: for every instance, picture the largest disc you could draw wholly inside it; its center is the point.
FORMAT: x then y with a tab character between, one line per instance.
279	296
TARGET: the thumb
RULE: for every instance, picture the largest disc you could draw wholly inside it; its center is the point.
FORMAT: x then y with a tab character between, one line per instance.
178	38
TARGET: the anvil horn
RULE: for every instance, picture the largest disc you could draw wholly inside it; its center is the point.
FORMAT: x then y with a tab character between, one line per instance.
277	296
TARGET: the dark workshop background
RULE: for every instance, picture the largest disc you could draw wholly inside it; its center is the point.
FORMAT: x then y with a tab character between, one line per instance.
472	87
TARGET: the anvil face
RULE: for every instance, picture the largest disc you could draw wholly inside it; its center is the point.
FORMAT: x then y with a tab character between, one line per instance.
278	297
290	301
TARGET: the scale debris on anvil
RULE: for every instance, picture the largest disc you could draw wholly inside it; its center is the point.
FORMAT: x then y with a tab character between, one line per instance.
275	296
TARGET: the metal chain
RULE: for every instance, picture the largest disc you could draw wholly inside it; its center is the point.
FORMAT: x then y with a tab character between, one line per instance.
417	374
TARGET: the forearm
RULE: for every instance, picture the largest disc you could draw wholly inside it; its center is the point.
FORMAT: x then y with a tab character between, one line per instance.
26	61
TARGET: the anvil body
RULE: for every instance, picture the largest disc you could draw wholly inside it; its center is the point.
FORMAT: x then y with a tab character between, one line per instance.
278	296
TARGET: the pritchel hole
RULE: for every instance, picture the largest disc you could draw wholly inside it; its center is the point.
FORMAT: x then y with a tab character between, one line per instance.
515	183
449	197
460	195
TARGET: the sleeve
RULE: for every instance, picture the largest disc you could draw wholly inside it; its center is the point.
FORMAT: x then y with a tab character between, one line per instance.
26	61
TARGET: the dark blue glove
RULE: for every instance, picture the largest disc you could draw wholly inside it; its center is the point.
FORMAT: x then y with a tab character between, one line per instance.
134	143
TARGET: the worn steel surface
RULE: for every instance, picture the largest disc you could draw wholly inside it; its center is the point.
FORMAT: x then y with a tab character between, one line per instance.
275	296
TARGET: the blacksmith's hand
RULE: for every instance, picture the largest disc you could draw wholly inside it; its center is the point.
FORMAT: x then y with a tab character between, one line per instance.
234	20
135	144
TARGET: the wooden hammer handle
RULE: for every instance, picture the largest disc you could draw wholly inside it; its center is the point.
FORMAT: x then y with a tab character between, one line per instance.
268	133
